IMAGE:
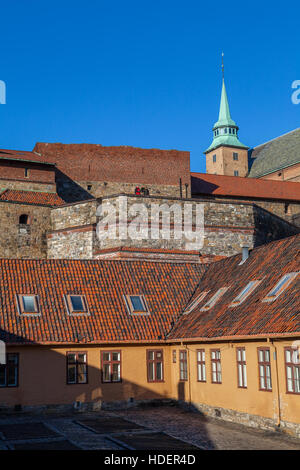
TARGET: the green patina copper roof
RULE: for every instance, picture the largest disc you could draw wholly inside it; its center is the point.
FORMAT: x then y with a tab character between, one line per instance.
223	124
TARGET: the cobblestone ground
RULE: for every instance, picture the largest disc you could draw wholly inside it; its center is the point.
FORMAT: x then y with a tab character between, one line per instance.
192	427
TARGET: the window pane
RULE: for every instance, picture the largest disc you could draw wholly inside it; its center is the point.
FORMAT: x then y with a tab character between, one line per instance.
81	358
137	303
151	370
288	356
151	355
159	371
106	356
245	375
297	379
71	373
106	372
28	303
81	373
72	358
77	303
115	372
115	356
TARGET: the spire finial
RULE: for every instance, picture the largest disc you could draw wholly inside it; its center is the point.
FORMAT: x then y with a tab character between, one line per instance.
223	65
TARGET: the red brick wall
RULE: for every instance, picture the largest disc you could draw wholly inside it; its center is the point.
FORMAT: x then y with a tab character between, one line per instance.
16	170
88	162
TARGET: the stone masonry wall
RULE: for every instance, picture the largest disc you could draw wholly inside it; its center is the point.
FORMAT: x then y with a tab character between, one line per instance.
20	240
228	227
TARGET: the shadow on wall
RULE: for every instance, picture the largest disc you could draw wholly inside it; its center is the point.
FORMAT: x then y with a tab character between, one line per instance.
269	227
69	190
42	382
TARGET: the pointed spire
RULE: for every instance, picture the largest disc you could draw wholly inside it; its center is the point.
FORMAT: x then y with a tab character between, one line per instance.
225	129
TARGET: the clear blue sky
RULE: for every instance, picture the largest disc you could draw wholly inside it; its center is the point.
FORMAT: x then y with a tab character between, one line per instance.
146	73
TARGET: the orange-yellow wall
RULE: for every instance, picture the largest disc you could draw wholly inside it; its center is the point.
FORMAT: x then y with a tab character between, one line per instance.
225	165
42	379
227	394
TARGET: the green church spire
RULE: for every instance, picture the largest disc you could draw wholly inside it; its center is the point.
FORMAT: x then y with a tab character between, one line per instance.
225	129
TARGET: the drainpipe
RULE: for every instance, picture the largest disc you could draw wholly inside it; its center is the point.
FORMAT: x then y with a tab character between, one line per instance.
180	187
189	374
277	384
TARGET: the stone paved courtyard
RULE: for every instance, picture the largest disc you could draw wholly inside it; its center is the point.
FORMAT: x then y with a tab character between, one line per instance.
174	426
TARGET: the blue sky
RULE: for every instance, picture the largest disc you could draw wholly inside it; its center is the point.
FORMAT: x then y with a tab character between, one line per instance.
146	74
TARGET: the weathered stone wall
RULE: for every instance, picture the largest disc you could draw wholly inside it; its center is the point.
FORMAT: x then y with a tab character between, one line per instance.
20	240
73	191
73	244
228	227
283	209
26	185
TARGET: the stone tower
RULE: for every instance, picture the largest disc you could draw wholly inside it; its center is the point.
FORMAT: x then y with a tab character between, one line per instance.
226	155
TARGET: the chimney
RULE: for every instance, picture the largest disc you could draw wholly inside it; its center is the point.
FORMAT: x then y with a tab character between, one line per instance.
245	253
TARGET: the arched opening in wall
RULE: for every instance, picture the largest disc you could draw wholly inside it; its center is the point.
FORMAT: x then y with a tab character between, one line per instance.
24	219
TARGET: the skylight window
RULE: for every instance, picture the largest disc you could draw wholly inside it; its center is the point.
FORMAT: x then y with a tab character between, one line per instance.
244	293
28	304
214	299
193	304
136	304
76	304
280	287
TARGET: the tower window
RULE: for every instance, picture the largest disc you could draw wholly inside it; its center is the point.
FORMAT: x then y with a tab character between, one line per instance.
236	173
26	173
225	130
214	158
235	156
229	130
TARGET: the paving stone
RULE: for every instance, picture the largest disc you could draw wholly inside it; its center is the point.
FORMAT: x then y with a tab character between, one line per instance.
153	441
107	425
22	431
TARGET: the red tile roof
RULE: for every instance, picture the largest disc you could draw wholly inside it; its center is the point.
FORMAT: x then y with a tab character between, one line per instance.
166	287
31	197
31	157
252	317
234	186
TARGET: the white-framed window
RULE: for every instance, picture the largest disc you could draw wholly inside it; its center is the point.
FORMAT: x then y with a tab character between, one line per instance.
216	371
241	367
244	293
214	299
201	366
193	304
280	287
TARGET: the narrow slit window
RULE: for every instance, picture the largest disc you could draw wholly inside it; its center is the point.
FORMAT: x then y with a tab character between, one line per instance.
214	299
183	368
244	293
193	304
280	287
136	304
28	304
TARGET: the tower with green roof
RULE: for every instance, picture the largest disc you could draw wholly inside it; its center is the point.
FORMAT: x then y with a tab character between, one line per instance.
226	155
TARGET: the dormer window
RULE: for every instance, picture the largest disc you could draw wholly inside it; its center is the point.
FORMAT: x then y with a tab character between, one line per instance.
28	304
193	304
214	299
244	293
136	304
280	287
76	304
